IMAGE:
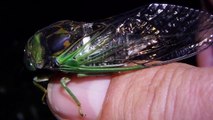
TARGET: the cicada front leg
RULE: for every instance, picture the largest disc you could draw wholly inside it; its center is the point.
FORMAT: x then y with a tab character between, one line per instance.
64	81
36	82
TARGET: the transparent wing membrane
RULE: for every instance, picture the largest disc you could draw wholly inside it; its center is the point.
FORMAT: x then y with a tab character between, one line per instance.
150	35
183	32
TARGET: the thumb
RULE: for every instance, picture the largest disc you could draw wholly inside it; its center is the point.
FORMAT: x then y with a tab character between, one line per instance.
90	91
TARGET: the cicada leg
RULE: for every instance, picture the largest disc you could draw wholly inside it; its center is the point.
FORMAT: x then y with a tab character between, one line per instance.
64	81
36	82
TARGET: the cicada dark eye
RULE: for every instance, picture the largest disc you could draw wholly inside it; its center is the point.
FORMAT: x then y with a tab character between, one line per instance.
34	53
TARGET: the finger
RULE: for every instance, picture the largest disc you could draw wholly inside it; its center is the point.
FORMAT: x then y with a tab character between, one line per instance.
174	91
205	58
89	90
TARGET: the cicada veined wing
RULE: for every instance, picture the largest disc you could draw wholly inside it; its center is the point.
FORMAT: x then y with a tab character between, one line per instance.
151	35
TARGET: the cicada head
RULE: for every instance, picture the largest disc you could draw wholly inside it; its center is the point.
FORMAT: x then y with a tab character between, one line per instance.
48	43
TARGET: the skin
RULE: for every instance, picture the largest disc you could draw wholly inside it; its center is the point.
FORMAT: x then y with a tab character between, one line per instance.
173	91
204	59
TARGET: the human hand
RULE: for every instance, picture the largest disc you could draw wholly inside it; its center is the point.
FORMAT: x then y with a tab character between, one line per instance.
173	91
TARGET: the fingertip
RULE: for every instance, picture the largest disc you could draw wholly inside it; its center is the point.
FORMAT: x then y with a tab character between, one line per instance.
205	58
90	91
58	102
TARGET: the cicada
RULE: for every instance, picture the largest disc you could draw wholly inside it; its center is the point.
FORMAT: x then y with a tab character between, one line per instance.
147	36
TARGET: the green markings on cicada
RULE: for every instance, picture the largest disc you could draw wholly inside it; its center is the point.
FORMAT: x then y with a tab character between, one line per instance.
98	57
100	70
66	57
36	51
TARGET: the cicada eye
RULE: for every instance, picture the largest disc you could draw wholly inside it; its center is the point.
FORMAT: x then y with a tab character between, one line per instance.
28	61
34	53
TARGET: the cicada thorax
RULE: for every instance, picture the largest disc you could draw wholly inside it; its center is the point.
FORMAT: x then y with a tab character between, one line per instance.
59	36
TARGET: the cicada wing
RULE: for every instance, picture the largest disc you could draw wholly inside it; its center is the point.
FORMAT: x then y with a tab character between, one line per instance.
183	32
153	35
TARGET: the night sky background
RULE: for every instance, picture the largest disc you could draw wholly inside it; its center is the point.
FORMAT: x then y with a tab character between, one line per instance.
19	98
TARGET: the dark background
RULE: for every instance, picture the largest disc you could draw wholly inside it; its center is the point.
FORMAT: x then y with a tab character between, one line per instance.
19	99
